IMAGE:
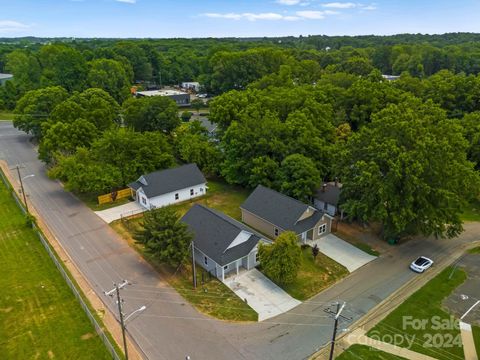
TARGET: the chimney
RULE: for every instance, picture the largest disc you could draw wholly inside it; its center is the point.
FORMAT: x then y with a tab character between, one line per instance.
336	181
324	187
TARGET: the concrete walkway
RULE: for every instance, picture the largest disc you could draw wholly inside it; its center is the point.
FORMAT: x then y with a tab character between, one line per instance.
358	337
263	296
468	343
117	212
342	252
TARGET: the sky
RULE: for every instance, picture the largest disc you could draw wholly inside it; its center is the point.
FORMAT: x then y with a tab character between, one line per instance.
234	18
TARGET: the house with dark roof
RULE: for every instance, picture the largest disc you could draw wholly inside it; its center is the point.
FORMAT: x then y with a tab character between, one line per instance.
222	245
170	186
272	213
326	198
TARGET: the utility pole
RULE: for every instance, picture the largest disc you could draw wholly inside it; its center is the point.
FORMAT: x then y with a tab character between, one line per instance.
116	290
23	190
337	314
194	270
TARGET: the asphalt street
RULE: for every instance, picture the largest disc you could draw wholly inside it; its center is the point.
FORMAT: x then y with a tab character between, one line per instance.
170	328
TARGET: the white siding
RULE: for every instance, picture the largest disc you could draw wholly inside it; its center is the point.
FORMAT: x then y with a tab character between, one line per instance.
169	198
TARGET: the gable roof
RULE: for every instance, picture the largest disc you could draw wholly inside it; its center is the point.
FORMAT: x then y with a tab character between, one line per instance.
169	180
218	236
329	195
280	210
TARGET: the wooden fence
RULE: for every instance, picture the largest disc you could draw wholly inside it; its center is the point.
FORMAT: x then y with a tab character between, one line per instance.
114	195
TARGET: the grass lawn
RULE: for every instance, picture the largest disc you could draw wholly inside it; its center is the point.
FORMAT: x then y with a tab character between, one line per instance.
5	115
314	275
475	250
39	316
476	338
220	196
423	305
357	243
212	298
364	352
472	212
92	202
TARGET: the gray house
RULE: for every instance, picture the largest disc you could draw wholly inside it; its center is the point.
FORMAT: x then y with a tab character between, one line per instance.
326	198
272	213
222	244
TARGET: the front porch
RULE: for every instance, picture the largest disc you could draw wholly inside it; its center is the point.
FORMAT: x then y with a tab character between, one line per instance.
237	267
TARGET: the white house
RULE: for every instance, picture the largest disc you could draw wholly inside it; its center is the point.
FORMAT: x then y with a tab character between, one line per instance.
222	244
170	186
191	85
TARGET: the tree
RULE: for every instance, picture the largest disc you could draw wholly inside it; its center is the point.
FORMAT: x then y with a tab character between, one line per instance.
408	170
281	260
298	177
164	236
35	107
186	116
111	76
156	113
197	104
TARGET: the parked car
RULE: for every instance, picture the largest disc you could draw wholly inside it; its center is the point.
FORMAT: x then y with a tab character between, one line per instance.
421	264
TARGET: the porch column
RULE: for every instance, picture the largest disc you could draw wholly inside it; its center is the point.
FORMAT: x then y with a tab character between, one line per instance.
223	274
236	264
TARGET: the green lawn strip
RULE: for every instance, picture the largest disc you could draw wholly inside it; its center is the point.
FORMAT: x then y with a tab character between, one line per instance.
39	315
475	250
423	305
476	338
314	275
472	212
363	352
212	298
5	115
357	243
91	200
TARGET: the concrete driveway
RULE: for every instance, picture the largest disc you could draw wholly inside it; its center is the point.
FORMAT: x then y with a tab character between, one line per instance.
116	212
263	296
342	252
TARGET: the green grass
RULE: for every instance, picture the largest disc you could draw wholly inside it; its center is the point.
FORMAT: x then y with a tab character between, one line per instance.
475	250
91	201
357	243
212	298
476	338
472	212
363	352
220	196
423	305
39	316
314	275
5	115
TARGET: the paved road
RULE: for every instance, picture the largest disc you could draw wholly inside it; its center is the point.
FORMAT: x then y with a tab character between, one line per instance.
170	328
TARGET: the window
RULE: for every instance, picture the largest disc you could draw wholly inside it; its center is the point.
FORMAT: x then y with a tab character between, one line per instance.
191	192
322	229
144	201
205	260
275	232
225	267
201	190
176	196
257	257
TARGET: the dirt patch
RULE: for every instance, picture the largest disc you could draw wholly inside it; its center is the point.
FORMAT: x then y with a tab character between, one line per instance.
87	336
50	354
6	310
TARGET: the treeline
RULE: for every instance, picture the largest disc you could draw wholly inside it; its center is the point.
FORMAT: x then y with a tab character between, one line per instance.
222	64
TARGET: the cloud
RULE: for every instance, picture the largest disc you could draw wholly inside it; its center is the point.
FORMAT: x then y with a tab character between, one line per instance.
369	7
289	2
340	5
252	16
127	1
12	26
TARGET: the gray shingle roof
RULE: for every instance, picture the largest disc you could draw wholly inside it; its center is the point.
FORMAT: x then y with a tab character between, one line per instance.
169	180
214	232
280	210
331	195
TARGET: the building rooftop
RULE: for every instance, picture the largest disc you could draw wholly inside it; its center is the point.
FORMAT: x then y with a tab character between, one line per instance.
160	93
218	236
329	193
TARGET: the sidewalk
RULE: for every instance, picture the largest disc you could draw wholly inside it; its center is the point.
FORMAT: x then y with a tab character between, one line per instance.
468	342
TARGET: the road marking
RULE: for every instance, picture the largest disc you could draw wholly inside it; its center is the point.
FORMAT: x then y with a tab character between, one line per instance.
471	308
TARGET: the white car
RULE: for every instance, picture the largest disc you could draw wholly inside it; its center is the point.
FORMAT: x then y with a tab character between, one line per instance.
421	264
